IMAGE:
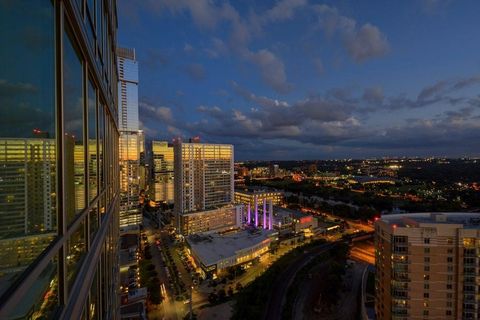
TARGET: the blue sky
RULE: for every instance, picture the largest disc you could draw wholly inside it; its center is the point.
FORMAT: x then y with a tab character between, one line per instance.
304	79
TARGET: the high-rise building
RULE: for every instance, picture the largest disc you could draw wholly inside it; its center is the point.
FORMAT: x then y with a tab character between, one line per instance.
131	141
203	177
163	164
58	160
251	196
427	266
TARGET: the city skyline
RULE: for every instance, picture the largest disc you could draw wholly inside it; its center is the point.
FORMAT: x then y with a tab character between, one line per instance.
297	79
277	159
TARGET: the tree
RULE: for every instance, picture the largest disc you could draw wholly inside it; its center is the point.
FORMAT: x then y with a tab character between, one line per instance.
212	297
222	294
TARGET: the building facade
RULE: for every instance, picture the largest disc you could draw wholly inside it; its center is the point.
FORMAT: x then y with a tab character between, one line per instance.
131	140
163	172
246	196
212	254
220	219
203	177
427	266
58	160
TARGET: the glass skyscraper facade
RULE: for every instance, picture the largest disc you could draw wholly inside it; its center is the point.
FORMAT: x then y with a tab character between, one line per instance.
59	186
131	141
162	153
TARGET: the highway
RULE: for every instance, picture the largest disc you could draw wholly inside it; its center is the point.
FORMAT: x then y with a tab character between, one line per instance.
363	251
283	281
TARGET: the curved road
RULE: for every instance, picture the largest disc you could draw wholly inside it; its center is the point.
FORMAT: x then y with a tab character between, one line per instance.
284	279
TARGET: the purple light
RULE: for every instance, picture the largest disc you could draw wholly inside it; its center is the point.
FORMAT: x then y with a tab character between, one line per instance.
248	214
256	212
270	220
264	214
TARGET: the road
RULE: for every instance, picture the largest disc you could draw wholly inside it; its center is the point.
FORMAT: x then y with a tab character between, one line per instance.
170	309
283	281
363	251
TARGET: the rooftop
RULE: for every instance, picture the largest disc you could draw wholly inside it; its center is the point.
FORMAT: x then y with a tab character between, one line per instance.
467	219
212	248
255	190
281	211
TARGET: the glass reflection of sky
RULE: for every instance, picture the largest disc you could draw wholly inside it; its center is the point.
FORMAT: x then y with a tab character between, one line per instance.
27	94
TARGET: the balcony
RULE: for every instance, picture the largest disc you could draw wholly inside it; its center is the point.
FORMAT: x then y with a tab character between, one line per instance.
399	311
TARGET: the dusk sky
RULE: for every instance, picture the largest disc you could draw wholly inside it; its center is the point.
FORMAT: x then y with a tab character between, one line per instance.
299	79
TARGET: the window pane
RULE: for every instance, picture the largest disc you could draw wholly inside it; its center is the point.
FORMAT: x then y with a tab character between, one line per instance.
41	300
27	134
94	298
74	149
92	141
101	139
75	252
93	222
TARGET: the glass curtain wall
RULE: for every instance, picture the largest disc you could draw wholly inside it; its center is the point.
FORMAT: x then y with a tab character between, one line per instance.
58	159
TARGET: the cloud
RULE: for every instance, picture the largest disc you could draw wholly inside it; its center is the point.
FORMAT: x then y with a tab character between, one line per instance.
366	43
314	120
156	58
217	48
361	43
434	6
208	15
466	82
438	92
272	70
11	89
447	135
203	12
214	111
196	71
283	10
333	123
432	91
373	95
258	100
187	48
158	113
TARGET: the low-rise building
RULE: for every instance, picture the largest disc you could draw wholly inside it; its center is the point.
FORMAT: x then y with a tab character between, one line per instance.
213	253
295	221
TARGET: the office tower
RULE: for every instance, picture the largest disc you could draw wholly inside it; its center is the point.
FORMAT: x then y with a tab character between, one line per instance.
427	266
203	177
131	141
58	160
163	185
144	167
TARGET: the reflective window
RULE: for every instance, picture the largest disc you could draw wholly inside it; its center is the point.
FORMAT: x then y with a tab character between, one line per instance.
41	300
101	141
92	141
94	298
76	248
93	222
74	149
27	134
